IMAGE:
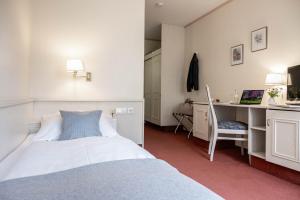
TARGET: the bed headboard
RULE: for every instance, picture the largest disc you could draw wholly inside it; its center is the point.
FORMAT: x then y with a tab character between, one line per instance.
129	125
14	117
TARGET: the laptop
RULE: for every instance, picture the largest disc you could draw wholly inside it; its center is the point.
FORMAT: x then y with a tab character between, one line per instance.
251	97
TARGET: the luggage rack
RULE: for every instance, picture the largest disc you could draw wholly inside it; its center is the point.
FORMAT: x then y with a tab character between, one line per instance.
185	115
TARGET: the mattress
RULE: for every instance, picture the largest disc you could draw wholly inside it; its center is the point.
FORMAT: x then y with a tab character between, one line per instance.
34	158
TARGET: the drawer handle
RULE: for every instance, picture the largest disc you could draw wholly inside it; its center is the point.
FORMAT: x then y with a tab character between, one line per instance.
268	122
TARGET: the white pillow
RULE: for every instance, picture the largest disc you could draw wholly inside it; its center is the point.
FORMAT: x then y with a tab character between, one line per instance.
107	126
51	128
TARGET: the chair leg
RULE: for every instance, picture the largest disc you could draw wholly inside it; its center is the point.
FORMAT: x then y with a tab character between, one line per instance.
249	160
213	147
242	150
210	143
190	133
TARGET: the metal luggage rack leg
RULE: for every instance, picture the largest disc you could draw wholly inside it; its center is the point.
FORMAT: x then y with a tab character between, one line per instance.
180	117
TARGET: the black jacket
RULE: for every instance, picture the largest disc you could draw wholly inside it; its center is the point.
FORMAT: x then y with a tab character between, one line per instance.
193	76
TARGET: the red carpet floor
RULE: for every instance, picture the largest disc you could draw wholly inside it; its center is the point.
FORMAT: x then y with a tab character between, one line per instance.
229	175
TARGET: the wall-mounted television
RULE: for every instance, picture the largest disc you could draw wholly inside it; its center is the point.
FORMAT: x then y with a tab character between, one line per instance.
293	83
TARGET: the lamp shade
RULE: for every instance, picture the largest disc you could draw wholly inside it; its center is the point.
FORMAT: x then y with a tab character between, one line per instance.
74	65
274	79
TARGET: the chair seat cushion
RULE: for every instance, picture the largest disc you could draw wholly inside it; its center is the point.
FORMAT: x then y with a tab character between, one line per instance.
232	125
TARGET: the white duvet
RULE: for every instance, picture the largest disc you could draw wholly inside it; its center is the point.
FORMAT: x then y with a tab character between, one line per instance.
43	157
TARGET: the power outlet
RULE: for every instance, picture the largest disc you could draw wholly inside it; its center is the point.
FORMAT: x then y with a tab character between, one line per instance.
130	110
121	111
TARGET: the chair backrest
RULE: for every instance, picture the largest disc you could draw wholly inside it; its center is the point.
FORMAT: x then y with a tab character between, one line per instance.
211	109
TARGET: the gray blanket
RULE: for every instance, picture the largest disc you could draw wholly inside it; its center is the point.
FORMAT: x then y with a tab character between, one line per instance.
141	179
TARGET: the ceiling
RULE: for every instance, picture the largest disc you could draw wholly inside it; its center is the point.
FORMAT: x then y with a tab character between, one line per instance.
175	12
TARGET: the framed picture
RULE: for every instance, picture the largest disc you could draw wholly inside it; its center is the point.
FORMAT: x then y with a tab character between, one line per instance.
237	55
259	39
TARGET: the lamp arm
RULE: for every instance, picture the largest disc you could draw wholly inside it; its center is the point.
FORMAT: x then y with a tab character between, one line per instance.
88	75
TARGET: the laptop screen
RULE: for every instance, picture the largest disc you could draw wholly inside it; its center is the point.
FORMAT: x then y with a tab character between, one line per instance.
252	96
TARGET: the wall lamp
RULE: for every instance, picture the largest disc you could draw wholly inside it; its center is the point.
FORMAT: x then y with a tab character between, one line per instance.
76	67
274	79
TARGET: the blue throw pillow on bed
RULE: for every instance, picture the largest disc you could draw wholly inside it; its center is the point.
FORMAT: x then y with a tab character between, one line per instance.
80	124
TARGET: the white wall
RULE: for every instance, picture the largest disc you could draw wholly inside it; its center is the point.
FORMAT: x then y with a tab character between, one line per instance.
14	55
151	45
215	34
14	49
107	35
172	71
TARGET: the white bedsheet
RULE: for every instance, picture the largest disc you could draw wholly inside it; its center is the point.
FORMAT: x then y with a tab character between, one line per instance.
42	157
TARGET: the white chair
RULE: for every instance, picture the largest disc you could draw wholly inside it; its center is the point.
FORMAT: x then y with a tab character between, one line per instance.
224	130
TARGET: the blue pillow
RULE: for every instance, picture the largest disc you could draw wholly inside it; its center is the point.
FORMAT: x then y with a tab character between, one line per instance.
80	124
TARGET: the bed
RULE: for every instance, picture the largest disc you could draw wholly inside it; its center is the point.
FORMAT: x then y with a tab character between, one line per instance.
108	167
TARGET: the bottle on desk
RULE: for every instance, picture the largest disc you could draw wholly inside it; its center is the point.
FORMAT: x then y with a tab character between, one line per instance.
236	97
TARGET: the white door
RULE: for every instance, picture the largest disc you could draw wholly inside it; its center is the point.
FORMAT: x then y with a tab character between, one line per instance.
200	122
283	138
156	75
155	89
147	108
147	88
155	110
152	88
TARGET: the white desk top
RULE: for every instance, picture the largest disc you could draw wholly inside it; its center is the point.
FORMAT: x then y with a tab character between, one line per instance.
233	105
278	107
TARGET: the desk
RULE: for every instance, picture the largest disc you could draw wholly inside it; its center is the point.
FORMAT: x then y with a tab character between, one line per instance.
273	131
253	115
